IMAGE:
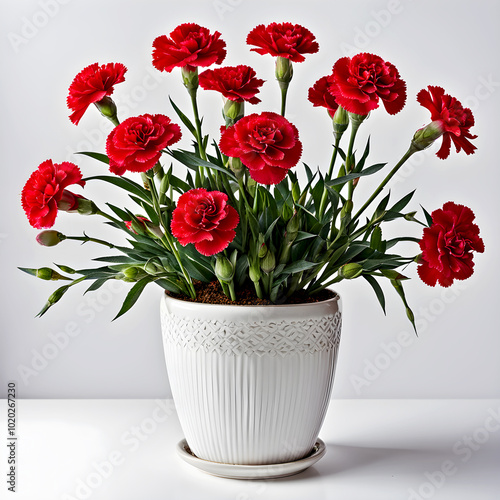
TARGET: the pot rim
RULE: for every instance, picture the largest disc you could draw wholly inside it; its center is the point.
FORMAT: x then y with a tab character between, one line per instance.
335	298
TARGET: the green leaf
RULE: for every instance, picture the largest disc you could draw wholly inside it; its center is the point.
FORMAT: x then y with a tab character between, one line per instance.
428	216
96	156
179	185
298	266
124	183
394	241
349	177
401	204
377	289
270	229
302	235
169	285
133	295
192	161
117	259
361	163
409	313
187	122
97	284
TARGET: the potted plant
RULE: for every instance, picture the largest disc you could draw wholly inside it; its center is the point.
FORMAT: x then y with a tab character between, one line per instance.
247	241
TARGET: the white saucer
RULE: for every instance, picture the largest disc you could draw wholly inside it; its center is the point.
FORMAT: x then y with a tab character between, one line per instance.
271	471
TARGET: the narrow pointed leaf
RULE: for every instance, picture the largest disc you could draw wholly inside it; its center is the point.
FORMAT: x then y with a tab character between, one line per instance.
133	295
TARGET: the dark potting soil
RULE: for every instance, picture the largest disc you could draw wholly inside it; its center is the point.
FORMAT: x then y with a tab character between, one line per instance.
211	293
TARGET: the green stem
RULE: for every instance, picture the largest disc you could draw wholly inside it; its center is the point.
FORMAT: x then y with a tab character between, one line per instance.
389	176
199	137
284	90
349	159
232	291
85	239
334	155
167	239
258	289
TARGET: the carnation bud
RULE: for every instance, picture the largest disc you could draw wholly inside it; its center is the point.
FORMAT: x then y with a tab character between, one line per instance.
268	263
346	209
356	119
254	272
133	274
237	167
50	238
425	136
224	269
284	70
153	266
44	273
293	225
153	230
351	270
86	207
262	247
107	107
233	111
340	121
190	78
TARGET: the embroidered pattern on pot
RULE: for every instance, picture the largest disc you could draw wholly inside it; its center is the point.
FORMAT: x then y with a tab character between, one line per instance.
260	337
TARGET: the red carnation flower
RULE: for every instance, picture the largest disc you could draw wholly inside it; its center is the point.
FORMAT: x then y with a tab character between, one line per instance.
284	40
453	117
204	218
91	85
359	83
268	144
319	95
136	144
447	245
237	83
44	193
189	45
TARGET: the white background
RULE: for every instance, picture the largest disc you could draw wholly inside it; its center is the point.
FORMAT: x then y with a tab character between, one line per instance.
76	351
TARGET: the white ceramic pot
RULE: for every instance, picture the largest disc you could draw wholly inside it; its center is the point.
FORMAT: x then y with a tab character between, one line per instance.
251	384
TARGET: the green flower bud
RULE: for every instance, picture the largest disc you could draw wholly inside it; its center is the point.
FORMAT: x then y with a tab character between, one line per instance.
293	225
268	263
44	273
190	78
346	209
425	136
224	269
50	238
107	107
284	70
254	272
357	119
86	207
133	274
153	230
351	270
340	121
262	248
237	167
153	266
233	111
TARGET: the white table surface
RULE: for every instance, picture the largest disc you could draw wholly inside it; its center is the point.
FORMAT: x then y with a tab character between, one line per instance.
376	449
